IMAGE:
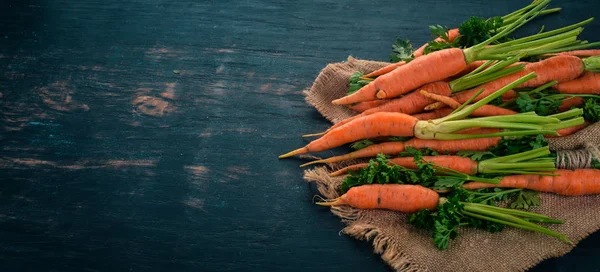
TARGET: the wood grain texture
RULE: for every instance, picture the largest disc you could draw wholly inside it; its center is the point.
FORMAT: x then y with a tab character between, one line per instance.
143	135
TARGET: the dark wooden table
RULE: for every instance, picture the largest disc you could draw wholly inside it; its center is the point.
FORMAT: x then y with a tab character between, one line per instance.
143	135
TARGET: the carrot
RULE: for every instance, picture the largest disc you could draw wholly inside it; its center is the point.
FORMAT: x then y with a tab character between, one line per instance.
559	68
470	68
570	130
363	106
439	113
569	182
588	83
458	163
571	102
395	197
393	148
485	110
577	53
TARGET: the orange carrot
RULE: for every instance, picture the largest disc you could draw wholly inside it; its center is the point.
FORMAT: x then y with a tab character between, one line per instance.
363	106
569	182
578	53
588	83
485	110
570	130
559	68
571	102
393	148
370	126
395	197
439	113
458	163
433	67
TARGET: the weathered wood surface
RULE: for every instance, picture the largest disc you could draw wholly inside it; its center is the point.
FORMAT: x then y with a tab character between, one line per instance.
142	135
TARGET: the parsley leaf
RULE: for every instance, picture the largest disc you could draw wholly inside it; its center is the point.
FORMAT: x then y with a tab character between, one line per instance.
514	146
355	82
542	105
591	110
402	50
411	152
526	199
477	29
361	144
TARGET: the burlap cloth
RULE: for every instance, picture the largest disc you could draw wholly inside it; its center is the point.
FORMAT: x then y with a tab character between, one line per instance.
405	248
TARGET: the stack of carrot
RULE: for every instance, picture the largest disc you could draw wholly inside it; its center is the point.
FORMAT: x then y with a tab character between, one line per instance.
454	97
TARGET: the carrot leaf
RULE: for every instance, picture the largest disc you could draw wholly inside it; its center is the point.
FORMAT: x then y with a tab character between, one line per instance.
402	50
476	155
514	146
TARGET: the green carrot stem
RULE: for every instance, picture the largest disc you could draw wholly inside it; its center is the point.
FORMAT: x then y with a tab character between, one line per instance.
548	42
453	126
486	78
454	136
514	212
493	72
538	152
467	102
565	124
470	109
567	114
512	221
544	49
517	13
517	118
543	87
592	63
548	33
575	47
510	28
480	68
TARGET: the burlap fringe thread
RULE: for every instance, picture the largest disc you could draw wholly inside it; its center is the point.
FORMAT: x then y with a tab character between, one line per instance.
474	250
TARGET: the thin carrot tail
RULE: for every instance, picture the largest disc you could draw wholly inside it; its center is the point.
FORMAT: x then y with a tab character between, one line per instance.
435	106
295	152
334	202
338	172
313	162
315	134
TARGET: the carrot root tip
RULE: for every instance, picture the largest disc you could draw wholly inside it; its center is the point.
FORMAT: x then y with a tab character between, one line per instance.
314	134
333	202
295	152
312	162
381	94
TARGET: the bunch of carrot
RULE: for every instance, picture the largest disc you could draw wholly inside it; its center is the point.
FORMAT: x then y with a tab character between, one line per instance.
439	98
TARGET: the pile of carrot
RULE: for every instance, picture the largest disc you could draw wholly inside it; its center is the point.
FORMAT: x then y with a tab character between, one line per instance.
441	100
